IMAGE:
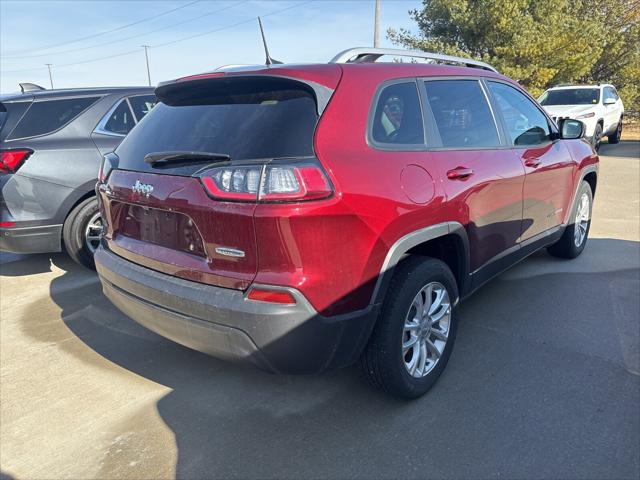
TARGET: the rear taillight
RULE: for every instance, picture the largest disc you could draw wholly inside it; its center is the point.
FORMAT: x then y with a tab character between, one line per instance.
274	182
11	160
109	162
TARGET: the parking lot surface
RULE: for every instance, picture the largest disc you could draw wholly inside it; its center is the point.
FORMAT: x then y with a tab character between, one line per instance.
544	381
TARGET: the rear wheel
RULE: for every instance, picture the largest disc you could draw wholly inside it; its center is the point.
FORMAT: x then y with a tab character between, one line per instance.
597	137
413	338
81	232
615	136
574	238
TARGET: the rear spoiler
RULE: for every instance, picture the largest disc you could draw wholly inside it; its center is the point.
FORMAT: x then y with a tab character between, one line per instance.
185	90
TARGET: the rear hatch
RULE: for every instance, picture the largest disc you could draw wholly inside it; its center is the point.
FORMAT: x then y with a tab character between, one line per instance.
181	189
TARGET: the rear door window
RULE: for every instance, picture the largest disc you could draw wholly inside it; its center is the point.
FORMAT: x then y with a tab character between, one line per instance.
397	119
462	114
47	116
121	120
525	123
141	105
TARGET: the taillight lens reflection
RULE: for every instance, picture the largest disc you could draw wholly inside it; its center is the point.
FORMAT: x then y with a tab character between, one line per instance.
267	183
271	296
11	160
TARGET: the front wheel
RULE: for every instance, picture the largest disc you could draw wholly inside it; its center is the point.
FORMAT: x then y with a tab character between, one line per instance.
574	238
81	232
413	338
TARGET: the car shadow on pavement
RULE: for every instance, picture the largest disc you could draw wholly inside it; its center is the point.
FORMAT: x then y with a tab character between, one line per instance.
624	149
545	369
16	265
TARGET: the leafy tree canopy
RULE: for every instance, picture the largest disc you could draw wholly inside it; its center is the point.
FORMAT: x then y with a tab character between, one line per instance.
538	42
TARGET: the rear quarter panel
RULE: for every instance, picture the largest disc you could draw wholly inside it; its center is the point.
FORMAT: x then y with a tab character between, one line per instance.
333	250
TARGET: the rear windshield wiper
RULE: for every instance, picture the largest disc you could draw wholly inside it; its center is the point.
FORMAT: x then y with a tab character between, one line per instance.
163	158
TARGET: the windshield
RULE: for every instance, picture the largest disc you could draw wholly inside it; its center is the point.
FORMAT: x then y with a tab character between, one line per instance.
244	125
571	96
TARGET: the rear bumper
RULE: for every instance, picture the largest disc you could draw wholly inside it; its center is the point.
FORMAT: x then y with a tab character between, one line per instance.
222	323
41	239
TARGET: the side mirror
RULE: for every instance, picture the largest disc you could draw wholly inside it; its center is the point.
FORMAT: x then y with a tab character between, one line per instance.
571	129
609	101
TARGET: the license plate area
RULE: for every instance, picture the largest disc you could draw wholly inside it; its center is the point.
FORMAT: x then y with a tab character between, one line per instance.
165	228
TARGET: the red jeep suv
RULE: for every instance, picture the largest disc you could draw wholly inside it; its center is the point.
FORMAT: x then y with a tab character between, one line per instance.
302	217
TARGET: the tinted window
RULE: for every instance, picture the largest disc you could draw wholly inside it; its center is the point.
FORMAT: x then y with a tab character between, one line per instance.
142	104
525	123
121	120
462	113
571	96
610	93
398	116
244	124
50	115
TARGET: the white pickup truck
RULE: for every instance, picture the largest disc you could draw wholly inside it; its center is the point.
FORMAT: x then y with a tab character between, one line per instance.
599	107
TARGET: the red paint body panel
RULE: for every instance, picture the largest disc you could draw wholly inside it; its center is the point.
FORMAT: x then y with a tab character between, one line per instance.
212	218
332	250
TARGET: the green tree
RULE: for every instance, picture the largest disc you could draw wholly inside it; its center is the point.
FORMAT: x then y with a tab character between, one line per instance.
537	42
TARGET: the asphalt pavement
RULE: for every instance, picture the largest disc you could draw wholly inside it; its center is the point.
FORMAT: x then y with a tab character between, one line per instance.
544	381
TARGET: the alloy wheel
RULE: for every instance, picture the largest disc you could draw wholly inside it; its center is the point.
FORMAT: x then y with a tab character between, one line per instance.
92	232
582	220
426	329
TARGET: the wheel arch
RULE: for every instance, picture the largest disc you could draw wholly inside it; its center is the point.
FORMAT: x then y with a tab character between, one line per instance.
446	241
592	179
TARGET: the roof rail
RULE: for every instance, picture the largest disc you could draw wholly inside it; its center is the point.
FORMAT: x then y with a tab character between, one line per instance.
30	87
366	54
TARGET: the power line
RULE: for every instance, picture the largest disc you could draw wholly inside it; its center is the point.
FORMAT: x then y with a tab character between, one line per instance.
253	19
122	27
130	52
138	35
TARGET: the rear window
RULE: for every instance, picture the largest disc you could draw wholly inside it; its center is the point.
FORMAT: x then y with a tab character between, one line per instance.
10	113
243	121
47	116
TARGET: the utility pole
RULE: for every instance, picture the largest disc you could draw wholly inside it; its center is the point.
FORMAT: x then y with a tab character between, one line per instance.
50	76
376	26
146	55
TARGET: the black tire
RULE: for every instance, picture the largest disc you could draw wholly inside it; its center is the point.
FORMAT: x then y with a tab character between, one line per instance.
597	137
615	136
382	361
566	247
73	232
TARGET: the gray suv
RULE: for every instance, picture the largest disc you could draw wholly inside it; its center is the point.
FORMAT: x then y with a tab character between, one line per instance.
51	147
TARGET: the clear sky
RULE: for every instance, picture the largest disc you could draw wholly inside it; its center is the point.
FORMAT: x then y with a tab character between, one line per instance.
33	33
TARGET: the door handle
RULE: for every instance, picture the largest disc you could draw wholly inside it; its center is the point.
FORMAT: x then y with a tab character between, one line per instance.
532	162
459	173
